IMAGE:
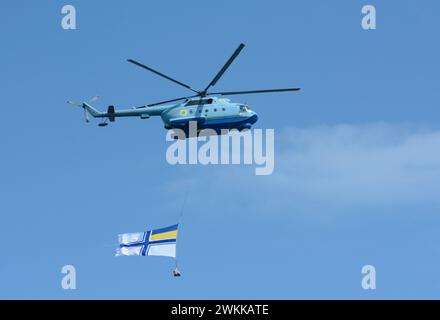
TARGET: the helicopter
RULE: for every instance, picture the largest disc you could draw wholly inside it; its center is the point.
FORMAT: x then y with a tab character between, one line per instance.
203	107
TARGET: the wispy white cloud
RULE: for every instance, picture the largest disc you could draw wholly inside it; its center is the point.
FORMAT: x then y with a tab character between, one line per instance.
361	163
339	167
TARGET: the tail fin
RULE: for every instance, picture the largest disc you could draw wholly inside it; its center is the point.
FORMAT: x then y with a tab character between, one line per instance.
95	113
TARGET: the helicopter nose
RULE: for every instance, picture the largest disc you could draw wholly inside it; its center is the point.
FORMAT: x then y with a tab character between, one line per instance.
253	118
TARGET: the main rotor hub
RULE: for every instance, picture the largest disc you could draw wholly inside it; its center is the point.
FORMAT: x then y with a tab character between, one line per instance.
203	93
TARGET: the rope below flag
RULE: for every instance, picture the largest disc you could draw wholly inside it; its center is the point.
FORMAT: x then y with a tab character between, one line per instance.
158	242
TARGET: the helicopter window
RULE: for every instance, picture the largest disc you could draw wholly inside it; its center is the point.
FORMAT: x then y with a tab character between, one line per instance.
215	110
198	102
192	103
223	109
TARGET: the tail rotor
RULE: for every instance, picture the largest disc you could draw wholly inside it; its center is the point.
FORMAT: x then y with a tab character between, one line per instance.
83	105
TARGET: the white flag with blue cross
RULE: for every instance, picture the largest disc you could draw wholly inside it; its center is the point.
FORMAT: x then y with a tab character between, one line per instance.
158	242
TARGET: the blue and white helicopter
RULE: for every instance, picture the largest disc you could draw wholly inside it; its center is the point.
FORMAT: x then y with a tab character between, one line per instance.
208	111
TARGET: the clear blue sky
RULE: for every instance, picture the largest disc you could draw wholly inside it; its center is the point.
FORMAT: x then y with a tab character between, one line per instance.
357	165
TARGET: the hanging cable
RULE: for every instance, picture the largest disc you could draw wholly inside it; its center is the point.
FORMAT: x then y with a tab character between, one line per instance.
176	271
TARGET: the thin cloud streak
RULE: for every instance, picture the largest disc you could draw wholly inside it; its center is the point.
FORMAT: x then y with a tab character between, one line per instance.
337	168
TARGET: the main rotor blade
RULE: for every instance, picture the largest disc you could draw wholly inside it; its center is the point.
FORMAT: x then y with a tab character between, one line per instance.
161	74
225	67
228	93
167	101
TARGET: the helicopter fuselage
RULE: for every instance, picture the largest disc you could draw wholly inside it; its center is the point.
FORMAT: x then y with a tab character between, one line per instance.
210	113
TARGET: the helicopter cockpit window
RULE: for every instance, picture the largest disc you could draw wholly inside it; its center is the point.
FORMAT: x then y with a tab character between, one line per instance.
198	102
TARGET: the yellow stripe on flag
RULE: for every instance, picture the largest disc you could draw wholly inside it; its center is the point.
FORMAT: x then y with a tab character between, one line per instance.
164	235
